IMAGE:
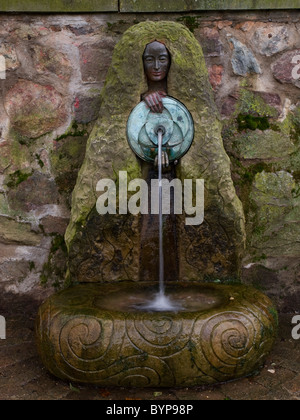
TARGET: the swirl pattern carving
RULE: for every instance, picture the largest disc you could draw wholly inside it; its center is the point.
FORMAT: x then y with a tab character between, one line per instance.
227	342
161	336
80	341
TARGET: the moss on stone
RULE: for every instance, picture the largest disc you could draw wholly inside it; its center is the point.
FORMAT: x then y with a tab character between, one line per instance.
13	232
108	152
133	6
253	104
191	22
59	6
264	145
252	123
75	130
17	178
67	157
56	266
274	210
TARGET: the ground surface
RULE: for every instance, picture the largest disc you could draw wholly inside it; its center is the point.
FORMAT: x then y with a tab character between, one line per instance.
22	376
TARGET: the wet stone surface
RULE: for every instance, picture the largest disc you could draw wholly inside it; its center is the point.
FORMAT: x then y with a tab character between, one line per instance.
22	376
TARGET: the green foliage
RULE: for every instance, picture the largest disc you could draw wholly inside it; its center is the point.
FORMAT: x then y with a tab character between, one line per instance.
191	22
251	122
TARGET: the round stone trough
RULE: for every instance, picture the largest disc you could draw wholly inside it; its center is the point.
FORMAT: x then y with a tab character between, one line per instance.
102	334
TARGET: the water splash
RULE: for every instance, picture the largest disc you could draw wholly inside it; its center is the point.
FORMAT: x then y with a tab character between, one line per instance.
161	303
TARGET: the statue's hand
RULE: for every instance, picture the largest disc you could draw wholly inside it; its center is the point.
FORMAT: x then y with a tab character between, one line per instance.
165	160
154	101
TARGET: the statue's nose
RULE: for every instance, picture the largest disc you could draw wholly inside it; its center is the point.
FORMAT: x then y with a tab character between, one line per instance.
157	66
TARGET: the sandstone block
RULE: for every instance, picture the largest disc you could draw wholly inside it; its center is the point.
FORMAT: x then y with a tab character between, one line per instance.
36	191
34	109
95	60
287	68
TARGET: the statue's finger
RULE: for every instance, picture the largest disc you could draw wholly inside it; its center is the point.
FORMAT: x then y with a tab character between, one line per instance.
159	102
152	104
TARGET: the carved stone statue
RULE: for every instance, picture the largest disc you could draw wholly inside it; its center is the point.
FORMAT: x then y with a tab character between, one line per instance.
157	62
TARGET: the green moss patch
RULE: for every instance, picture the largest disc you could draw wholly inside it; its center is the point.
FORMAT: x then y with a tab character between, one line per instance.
17	178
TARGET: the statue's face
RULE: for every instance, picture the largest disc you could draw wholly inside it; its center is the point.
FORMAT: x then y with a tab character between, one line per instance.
157	61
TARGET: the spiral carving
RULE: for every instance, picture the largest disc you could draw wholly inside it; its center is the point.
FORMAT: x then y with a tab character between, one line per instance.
80	340
88	343
228	341
160	336
139	371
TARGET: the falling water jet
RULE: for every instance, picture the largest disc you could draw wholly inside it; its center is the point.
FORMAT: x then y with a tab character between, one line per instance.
161	302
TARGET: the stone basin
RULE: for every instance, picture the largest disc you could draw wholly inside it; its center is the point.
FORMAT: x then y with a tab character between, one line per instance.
99	334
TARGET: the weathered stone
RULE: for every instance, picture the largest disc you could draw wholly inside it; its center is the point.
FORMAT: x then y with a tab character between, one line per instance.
4	208
13	271
67	158
243	60
245	26
271	39
246	102
80	29
275	202
53	224
95	60
38	190
5	156
11	58
216	76
109	247
34	109
108	153
263	145
229	106
13	232
210	41
254	103
59	6
275	273
91	334
271	99
87	107
51	61
287	68
134	6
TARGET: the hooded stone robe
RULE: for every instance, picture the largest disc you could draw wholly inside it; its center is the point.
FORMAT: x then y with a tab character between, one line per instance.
107	248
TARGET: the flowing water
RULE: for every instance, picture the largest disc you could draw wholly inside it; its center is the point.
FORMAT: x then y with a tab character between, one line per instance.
161	301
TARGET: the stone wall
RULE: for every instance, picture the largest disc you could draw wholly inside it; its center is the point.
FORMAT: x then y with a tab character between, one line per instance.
55	69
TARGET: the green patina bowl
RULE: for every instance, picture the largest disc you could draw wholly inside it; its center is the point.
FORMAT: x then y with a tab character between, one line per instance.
102	334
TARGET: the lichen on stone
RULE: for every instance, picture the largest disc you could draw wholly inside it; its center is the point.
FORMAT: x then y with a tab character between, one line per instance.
108	151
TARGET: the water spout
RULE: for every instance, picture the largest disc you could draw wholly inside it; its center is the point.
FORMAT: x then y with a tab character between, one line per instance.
161	224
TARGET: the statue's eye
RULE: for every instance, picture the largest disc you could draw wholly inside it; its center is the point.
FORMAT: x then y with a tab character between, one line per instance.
149	60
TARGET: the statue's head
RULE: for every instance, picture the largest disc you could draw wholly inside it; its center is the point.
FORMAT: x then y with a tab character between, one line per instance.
157	61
